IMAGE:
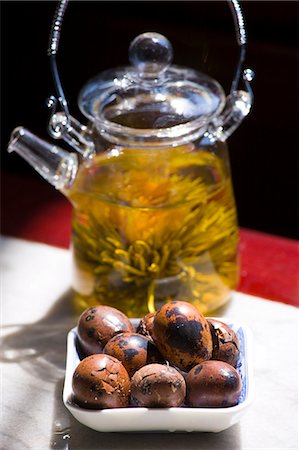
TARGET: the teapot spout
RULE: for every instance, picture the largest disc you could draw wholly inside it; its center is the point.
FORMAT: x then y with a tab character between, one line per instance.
54	164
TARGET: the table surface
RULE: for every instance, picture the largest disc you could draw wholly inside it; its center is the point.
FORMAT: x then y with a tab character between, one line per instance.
36	316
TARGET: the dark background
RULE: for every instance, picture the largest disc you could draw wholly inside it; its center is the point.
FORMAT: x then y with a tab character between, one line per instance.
96	36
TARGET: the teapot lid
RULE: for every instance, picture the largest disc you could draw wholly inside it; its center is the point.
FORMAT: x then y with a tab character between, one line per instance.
151	99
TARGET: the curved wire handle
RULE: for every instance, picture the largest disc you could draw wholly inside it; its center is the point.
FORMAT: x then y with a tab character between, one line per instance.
241	39
52	51
238	17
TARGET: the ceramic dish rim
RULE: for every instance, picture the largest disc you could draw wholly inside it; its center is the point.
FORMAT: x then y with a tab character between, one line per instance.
67	391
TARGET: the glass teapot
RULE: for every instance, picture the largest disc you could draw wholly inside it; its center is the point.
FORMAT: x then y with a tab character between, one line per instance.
154	216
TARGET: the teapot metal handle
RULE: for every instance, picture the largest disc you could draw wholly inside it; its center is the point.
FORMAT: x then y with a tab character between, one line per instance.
247	76
52	51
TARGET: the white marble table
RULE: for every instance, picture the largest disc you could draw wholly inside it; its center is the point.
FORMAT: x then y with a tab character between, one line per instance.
36	315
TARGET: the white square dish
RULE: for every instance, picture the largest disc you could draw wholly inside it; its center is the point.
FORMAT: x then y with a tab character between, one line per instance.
164	419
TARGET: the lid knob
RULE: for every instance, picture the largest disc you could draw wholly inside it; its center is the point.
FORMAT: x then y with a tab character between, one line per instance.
150	54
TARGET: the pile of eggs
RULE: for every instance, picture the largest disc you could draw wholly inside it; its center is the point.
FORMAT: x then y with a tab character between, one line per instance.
175	357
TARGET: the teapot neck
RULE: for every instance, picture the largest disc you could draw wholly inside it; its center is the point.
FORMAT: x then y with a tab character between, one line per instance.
172	136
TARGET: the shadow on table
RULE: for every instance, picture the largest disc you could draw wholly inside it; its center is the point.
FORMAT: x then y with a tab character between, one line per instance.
40	348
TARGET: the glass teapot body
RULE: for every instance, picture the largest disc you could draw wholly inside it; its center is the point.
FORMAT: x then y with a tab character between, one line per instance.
152	225
154	213
154	216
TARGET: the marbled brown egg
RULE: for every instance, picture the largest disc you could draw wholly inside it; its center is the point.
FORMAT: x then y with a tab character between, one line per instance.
182	334
100	381
133	350
213	384
97	325
226	346
158	386
145	326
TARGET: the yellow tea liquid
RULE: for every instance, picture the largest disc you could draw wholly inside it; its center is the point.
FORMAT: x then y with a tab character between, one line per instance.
154	225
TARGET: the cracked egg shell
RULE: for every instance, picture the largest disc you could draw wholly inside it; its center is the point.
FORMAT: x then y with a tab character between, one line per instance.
158	386
100	381
213	384
145	326
133	350
182	334
226	345
97	325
